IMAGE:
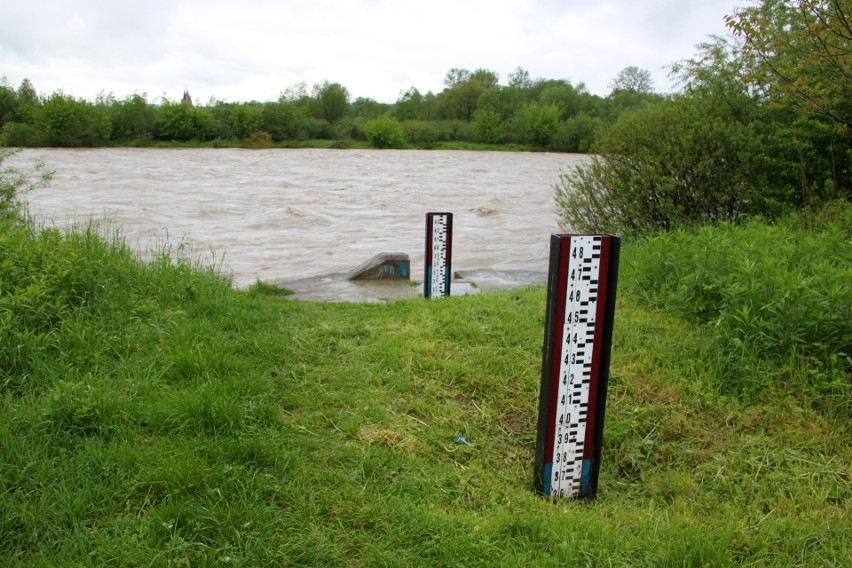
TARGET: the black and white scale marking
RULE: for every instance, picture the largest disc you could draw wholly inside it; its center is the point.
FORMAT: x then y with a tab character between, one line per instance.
439	235
581	297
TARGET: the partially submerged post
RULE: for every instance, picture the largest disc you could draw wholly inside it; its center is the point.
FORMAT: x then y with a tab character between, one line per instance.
383	266
439	246
575	368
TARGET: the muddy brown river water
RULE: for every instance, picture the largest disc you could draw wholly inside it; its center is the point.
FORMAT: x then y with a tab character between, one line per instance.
284	214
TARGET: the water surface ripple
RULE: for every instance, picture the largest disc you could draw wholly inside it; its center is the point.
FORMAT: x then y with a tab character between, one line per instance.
283	214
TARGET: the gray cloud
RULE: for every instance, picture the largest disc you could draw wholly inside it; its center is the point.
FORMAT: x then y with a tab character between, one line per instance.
376	48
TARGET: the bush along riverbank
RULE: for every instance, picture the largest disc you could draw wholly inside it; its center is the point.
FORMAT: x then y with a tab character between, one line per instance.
153	415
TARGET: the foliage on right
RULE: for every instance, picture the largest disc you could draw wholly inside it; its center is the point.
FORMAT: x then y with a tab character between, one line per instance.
754	132
774	300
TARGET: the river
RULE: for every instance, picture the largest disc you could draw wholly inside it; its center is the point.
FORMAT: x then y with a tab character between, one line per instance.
284	214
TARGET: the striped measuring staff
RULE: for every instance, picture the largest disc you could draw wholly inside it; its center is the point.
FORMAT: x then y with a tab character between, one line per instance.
439	247
575	369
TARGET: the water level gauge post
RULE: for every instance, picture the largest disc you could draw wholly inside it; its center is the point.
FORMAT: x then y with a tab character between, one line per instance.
439	247
581	288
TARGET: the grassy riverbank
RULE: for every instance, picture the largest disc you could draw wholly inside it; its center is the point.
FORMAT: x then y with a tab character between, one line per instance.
153	416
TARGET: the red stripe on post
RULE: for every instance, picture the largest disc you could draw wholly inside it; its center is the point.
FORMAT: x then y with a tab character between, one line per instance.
588	444
558	333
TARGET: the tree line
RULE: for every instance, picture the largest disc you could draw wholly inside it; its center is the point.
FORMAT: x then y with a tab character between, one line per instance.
545	114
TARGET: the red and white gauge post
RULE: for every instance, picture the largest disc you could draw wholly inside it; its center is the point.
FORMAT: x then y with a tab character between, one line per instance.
439	248
575	369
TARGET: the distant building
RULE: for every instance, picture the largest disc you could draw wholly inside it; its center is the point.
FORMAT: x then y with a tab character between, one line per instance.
187	100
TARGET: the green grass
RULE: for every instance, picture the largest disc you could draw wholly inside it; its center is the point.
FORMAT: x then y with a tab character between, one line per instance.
777	299
151	415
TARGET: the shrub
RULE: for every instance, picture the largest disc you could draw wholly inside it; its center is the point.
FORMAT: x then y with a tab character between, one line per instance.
384	132
420	132
577	134
20	134
348	128
181	122
68	121
542	122
487	126
259	139
666	166
310	128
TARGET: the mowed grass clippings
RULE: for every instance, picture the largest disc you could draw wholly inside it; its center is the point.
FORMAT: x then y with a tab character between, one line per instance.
153	416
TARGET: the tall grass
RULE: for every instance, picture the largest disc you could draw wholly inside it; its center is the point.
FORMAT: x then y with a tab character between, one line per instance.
78	291
776	299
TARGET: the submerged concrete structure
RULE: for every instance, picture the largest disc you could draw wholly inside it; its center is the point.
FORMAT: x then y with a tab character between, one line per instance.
383	266
386	277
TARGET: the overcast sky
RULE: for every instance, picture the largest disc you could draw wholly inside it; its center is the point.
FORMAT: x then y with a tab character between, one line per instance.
255	49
